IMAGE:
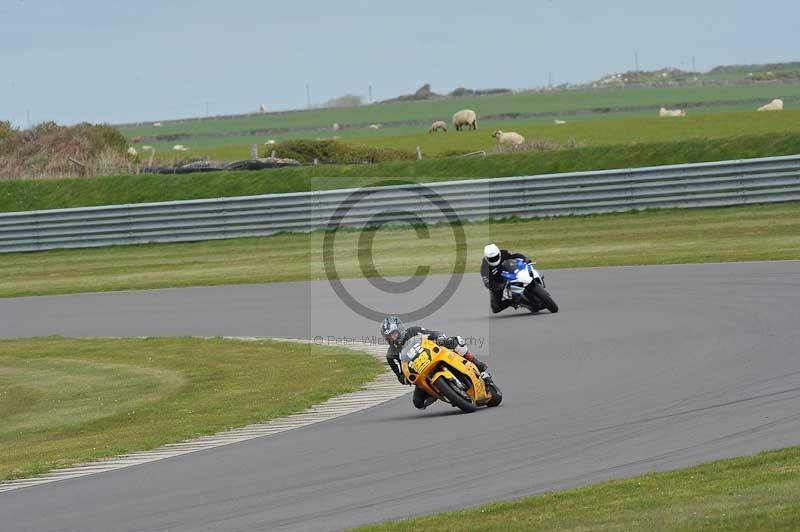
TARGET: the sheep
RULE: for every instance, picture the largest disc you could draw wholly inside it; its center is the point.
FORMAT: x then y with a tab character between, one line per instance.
269	142
156	124
375	126
774	105
132	152
510	137
180	147
438	125
666	113
559	122
336	126
465	117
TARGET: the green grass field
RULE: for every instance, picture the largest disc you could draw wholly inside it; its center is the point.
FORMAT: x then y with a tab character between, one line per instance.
238	146
23	195
66	401
608	132
530	102
768	232
751	493
593	131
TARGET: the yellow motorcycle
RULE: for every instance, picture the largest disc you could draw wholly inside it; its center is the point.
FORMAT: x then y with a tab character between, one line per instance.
446	375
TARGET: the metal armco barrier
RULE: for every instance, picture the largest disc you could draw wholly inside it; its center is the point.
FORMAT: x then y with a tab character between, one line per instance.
767	180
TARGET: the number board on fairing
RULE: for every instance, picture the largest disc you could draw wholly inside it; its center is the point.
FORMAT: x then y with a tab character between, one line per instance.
422	361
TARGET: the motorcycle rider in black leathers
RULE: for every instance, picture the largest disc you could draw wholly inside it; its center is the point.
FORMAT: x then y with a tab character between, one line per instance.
493	257
396	334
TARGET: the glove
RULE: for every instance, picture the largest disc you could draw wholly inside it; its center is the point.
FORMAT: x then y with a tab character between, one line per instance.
451	342
440	340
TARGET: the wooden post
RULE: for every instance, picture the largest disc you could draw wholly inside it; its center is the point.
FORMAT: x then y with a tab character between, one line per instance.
81	166
76	162
419	154
254	151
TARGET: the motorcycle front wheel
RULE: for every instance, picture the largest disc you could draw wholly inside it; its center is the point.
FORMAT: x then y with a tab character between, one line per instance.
456	397
539	293
497	396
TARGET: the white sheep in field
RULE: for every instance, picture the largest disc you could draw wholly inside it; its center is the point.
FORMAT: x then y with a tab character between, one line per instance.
465	117
180	147
774	105
666	113
375	126
438	125
156	124
559	122
511	138
269	142
336	126
132	152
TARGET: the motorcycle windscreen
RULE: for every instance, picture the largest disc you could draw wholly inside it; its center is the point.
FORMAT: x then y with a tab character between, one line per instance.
417	357
509	266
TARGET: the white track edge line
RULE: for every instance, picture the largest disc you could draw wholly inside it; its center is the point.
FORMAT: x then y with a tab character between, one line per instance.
380	390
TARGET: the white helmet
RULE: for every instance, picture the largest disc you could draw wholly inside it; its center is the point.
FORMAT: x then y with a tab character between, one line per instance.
492	254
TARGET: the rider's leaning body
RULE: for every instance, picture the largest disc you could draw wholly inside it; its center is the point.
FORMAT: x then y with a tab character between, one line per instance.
493	257
396	335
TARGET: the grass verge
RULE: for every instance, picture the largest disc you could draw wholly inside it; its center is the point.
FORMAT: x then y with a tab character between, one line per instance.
24	195
761	232
65	401
751	493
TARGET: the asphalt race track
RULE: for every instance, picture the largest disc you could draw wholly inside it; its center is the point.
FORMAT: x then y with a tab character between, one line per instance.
644	369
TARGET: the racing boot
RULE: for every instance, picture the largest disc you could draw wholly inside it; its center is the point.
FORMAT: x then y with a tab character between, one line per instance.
482	367
428	402
422	400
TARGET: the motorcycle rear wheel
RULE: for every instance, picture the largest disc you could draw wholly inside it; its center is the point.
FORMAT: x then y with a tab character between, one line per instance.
456	397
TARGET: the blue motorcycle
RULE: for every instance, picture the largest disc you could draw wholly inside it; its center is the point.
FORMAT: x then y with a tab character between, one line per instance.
525	286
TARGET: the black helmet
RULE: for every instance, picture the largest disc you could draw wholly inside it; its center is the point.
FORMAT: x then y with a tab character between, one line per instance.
393	330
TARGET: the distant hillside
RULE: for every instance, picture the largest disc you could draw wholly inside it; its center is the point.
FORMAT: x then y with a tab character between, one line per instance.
725	74
425	93
776	68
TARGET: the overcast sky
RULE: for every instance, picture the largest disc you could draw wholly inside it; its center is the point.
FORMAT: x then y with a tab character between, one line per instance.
113	61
